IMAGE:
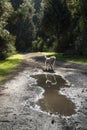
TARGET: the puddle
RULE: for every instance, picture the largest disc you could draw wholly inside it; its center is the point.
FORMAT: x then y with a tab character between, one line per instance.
52	101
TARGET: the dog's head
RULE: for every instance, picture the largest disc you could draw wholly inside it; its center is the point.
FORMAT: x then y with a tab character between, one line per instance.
45	57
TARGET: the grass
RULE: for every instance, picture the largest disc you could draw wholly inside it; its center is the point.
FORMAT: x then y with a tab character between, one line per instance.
59	56
7	66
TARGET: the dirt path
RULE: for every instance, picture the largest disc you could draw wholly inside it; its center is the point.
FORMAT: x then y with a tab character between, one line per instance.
17	94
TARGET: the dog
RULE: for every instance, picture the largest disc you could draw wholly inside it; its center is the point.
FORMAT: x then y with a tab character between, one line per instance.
49	62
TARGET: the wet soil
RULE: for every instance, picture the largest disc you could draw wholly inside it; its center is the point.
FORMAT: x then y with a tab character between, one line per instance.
18	94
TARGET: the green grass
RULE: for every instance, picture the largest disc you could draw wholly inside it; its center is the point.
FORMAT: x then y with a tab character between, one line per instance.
7	66
59	56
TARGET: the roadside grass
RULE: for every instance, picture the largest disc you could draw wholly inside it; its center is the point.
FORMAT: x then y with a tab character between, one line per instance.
7	66
59	56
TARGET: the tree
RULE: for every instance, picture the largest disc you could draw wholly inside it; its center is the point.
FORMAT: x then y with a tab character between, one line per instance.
6	39
78	9
83	27
23	26
37	5
16	3
56	19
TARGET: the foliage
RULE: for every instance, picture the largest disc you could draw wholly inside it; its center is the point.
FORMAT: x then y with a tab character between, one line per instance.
23	26
56	16
6	39
37	45
43	44
43	25
16	3
79	25
56	19
37	5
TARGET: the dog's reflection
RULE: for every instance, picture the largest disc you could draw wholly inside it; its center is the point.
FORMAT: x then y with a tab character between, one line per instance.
50	79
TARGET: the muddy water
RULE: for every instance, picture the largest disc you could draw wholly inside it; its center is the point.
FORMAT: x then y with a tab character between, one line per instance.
52	101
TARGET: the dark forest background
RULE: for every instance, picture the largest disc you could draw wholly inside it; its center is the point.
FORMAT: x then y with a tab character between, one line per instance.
43	25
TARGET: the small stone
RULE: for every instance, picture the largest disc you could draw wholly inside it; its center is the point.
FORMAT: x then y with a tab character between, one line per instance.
82	90
51	113
52	121
30	120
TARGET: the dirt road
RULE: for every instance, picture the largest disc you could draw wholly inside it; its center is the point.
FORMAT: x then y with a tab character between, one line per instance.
17	95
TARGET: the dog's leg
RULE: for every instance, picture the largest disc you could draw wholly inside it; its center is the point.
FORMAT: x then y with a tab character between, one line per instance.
53	65
46	65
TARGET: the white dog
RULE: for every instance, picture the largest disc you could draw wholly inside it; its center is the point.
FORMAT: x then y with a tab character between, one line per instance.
49	62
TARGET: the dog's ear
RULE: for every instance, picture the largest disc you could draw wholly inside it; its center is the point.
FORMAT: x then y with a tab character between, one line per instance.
45	57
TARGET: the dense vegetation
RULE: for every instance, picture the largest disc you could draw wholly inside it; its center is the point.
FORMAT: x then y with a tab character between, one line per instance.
43	25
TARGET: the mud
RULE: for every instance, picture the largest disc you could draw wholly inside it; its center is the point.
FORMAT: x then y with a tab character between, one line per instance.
17	95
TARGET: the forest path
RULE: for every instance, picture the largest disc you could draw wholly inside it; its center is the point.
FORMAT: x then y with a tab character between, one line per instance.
17	94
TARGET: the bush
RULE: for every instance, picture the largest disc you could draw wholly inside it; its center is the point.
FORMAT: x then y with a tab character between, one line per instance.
37	45
70	53
6	44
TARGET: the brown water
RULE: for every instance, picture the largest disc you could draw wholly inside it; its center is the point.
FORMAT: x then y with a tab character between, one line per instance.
53	101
